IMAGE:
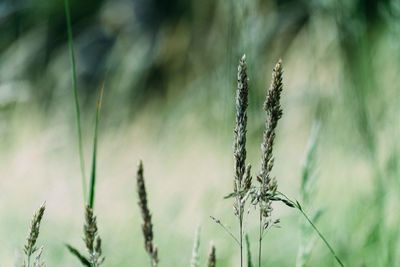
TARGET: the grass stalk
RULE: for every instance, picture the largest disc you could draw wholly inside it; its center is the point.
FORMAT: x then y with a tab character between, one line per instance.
268	184
226	229
92	185
332	251
76	96
242	179
308	181
295	204
249	261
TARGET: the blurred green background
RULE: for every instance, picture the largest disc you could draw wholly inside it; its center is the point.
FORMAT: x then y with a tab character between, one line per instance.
169	69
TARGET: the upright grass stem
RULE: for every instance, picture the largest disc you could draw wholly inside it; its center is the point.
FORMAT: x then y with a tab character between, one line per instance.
92	185
76	96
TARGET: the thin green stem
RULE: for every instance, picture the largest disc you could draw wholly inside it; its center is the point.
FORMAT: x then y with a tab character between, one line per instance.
260	240
76	96
241	240
92	185
225	228
322	237
296	205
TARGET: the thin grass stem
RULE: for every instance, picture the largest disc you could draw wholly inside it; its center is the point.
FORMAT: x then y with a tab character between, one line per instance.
229	232
76	96
296	205
322	237
92	185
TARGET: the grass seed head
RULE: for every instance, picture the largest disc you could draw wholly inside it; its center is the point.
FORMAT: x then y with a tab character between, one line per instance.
90	229
240	132
92	238
274	113
30	246
147	226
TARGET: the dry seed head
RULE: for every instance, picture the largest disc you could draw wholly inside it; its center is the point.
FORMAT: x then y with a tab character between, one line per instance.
90	229
247	180
92	239
241	123
242	179
147	226
30	247
98	249
274	113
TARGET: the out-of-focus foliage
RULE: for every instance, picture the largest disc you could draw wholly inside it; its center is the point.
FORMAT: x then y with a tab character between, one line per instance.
146	48
177	60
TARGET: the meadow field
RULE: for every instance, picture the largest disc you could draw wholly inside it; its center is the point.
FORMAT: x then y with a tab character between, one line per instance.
178	96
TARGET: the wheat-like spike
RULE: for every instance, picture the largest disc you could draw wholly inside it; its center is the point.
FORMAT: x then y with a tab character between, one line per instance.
30	246
274	113
242	175
211	257
147	226
241	125
89	229
92	239
268	184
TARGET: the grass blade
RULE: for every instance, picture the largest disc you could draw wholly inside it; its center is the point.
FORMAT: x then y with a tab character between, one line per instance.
92	185
78	255
76	96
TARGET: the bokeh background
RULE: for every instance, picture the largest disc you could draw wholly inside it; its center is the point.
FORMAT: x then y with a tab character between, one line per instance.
169	69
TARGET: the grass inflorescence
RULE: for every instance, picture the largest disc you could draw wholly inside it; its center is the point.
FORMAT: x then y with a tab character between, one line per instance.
30	247
147	226
263	195
268	184
92	241
242	179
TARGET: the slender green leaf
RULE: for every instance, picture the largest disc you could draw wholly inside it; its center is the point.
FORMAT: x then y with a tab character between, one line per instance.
76	253
76	96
